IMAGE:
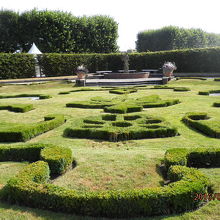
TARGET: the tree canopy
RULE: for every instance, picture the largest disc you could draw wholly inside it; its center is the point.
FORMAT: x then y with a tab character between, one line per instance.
171	38
57	32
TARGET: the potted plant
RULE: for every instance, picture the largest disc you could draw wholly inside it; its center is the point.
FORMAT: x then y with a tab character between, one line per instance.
168	69
81	72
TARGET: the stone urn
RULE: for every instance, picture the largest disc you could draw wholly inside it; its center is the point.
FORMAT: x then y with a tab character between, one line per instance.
168	74
81	75
81	72
168	69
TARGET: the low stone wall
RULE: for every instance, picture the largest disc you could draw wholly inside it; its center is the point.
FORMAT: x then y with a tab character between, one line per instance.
196	74
126	75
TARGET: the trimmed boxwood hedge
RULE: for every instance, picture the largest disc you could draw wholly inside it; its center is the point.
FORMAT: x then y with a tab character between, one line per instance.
216	104
14	66
197	60
29	187
124	105
17	107
203	123
120	127
58	158
195	157
208	92
123	108
26	95
175	89
15	132
181	89
123	91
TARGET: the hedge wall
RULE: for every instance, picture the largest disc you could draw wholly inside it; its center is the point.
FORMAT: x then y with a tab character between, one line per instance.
14	66
188	60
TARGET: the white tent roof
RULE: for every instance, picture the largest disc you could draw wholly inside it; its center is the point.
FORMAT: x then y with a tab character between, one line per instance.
34	50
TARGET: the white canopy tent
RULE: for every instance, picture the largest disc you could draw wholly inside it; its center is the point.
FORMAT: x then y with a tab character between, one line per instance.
34	50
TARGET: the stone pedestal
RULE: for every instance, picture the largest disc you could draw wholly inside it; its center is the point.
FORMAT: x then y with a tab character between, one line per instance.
80	82
165	80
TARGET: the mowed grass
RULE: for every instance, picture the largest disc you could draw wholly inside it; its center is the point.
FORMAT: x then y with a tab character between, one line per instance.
103	165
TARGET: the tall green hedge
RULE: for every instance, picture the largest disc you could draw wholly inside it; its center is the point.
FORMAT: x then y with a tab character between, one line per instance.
188	60
13	66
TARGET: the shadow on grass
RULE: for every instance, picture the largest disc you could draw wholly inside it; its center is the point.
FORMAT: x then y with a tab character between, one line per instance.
14	212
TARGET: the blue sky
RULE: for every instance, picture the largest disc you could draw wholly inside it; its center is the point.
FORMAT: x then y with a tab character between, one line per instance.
134	16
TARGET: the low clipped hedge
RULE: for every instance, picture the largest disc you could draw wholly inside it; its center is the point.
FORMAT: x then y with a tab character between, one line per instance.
203	123
216	104
15	132
208	92
123	105
17	107
120	127
197	157
197	78
181	89
95	102
122	91
123	108
30	187
25	95
58	158
175	89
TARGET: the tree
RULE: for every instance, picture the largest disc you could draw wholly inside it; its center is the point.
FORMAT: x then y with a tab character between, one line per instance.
171	37
8	31
60	32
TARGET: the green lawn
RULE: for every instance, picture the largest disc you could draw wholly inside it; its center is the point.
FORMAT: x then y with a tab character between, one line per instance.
103	165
